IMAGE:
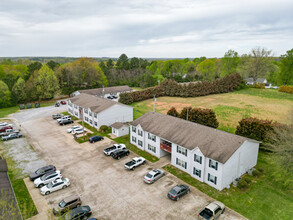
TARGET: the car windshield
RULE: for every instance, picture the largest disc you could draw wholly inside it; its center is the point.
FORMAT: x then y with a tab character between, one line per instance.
149	175
50	185
62	204
44	177
39	171
173	192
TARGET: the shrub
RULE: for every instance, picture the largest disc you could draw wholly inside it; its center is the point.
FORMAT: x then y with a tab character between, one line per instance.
258	86
173	112
255	128
287	89
246	178
256	173
171	88
242	184
105	128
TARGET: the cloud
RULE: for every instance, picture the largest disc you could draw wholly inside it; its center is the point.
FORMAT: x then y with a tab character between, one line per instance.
188	28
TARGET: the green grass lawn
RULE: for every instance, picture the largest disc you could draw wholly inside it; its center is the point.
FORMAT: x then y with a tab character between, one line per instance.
264	199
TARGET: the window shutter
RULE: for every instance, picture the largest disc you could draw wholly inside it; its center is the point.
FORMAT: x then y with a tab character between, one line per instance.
185	152
215	180
195	157
185	165
176	160
199	173
208	177
200	160
193	170
177	149
216	165
210	163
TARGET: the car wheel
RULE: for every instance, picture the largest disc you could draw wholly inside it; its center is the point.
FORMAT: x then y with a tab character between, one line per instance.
111	154
118	158
47	193
132	168
63	187
41	185
143	162
127	154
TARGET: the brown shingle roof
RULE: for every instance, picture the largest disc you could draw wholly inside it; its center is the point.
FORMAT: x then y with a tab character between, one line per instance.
107	90
94	103
3	166
117	125
215	144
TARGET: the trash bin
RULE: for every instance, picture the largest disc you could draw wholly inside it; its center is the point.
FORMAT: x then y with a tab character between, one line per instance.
37	105
21	106
29	105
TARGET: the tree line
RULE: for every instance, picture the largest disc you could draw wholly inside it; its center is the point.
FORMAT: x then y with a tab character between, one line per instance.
26	80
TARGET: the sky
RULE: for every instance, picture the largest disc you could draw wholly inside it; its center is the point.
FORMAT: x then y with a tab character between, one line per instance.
146	29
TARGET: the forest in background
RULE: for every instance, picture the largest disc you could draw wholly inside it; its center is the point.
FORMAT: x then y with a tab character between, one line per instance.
34	79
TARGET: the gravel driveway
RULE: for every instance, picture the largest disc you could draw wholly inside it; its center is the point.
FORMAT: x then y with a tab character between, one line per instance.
102	182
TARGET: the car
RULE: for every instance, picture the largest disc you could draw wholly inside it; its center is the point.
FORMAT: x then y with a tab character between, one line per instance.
11	136
178	191
4	128
67	204
82	212
69	130
108	151
41	171
3	123
110	97
64	117
94	139
65	122
135	162
268	85
57	104
63	102
120	153
153	176
54	186
275	87
47	178
56	116
78	131
212	211
114	97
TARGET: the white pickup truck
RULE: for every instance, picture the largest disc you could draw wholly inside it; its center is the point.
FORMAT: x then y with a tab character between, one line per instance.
212	211
136	161
108	151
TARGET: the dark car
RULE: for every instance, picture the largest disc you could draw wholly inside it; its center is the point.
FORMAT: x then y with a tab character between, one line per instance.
63	102
178	191
41	171
57	104
65	122
82	212
94	139
120	153
4	128
109	97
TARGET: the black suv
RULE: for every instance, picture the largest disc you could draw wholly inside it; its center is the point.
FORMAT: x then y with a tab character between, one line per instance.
94	139
42	171
82	212
65	121
120	153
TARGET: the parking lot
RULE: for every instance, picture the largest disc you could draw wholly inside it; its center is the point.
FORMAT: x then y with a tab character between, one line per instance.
102	182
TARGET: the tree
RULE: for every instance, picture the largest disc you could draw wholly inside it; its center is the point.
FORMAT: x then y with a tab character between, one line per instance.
122	62
173	112
185	113
110	64
45	83
32	68
207	69
19	91
286	74
134	63
229	62
52	64
5	94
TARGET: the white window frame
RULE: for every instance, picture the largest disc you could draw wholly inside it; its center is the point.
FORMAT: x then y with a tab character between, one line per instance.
181	163
181	150
152	148
139	143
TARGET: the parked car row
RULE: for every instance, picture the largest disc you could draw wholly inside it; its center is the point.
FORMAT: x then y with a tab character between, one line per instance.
49	180
7	132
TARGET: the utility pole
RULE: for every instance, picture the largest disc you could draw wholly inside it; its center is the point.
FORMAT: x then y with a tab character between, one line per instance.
187	114
103	92
154	103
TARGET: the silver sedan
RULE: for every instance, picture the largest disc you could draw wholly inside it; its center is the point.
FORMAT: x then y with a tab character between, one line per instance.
153	176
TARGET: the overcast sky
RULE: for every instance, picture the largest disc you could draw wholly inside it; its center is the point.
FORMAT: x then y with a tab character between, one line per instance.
144	28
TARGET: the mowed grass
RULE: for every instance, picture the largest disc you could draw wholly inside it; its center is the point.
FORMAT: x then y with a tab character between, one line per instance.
264	199
230	108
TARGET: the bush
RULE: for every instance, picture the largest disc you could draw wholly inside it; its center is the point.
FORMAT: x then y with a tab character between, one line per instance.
173	112
105	129
246	178
287	89
255	128
258	86
256	173
171	88
242	184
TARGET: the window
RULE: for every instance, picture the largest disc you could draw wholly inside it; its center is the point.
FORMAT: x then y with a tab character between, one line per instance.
91	122
90	114
114	130
85	111
152	148
134	139
213	164
134	129
196	172
181	163
151	137
182	150
139	132
95	115
86	118
197	158
96	124
139	143
212	179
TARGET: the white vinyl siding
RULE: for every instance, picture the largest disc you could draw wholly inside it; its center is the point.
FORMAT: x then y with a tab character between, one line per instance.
152	148
181	163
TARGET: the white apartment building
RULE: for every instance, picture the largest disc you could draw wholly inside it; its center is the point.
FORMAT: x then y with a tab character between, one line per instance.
97	111
207	154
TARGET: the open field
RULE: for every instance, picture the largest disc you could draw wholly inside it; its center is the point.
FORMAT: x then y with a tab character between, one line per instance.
229	107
